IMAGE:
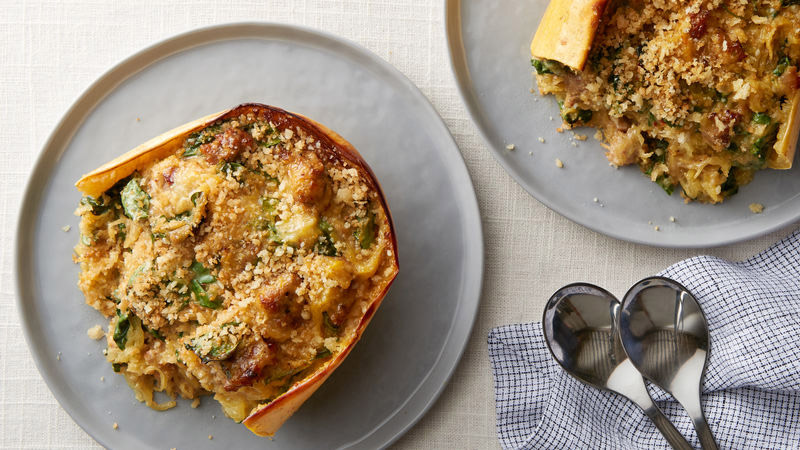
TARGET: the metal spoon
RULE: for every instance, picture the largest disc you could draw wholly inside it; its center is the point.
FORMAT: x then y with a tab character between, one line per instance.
665	335
580	330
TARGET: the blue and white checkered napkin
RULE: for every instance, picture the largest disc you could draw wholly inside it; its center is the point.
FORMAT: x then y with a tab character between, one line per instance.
751	389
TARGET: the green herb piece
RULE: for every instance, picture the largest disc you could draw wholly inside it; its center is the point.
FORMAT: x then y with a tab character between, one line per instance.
121	330
232	323
268	204
761	118
325	244
196	196
135	201
116	367
666	183
782	65
582	116
762	145
614	80
97	205
730	187
722	98
155	333
213	348
790	2
366	235
121	234
540	66
201	296
195	140
201	274
270	142
331	327
323	353
233	169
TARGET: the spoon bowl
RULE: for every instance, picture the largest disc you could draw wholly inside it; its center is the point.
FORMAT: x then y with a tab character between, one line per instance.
665	335
580	328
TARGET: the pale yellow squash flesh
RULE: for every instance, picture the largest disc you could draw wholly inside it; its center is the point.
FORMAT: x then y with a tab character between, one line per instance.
567	30
786	145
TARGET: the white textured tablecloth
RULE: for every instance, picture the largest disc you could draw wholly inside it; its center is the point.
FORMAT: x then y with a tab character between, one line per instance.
51	51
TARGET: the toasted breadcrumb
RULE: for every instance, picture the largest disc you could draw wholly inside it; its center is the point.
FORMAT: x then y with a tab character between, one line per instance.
96	332
510	147
115	426
756	208
559	163
65	228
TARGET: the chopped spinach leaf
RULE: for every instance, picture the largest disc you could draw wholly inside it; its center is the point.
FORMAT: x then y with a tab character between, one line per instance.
366	234
201	274
135	201
331	327
762	145
213	348
325	244
270	142
761	118
782	65
121	330
730	187
540	66
201	296
196	196
666	183
323	353
97	205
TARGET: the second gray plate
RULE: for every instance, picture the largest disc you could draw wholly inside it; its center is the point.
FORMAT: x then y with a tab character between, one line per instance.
489	45
415	340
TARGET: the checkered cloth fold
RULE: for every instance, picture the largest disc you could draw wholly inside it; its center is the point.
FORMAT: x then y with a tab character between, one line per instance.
752	384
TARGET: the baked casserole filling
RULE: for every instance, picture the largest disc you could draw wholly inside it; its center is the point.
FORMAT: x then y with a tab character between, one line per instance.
235	267
699	94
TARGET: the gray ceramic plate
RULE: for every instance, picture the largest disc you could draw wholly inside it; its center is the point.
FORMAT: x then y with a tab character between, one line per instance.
414	342
489	48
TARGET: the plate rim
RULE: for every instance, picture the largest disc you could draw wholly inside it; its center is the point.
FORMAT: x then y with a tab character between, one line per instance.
461	74
91	96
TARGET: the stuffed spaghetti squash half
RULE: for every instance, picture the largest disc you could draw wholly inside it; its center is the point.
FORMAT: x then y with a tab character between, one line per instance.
241	255
700	94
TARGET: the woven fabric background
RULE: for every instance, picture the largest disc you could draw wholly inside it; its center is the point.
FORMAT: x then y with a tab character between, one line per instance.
50	51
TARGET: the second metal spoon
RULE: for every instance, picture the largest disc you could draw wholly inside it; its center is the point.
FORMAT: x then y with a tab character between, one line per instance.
580	330
665	335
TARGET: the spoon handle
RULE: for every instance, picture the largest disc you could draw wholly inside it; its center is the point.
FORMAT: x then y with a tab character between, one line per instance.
671	434
704	433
